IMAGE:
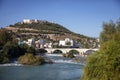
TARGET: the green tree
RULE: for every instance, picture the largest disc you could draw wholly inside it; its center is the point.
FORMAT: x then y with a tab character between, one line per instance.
12	50
109	29
27	49
30	50
105	64
3	58
41	51
118	25
5	36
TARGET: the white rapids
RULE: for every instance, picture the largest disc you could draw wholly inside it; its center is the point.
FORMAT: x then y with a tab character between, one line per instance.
11	64
57	58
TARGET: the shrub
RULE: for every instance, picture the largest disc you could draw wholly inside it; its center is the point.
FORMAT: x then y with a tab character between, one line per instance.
12	50
3	59
104	64
70	55
5	36
41	51
63	55
30	59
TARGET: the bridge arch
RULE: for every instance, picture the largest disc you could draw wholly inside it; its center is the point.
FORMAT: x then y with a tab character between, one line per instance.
57	51
89	52
73	51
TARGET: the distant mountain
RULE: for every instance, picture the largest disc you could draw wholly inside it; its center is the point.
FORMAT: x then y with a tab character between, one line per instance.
53	31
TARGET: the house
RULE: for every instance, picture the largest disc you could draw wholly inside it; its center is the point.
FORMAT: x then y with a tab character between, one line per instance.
31	42
40	43
67	42
29	21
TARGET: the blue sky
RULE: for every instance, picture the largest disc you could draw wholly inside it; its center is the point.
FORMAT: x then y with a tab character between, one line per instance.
80	16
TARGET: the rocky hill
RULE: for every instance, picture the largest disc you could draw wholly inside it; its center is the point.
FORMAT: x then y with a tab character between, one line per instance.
49	30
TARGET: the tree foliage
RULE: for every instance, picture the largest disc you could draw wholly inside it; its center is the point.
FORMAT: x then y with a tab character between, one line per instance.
9	47
41	51
13	50
3	59
5	36
105	64
109	29
118	25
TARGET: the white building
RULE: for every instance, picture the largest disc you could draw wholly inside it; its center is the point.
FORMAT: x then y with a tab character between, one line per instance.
29	21
66	42
39	43
50	45
62	43
31	42
26	20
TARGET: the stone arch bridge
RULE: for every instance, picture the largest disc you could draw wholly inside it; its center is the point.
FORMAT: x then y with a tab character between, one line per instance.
66	50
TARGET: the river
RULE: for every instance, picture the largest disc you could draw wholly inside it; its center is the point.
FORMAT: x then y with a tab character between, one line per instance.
61	69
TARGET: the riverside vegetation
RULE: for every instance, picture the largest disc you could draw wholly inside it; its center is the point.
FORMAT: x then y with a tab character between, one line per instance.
105	64
30	59
9	50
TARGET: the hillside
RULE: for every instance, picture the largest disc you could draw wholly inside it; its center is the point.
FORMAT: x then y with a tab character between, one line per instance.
53	31
43	27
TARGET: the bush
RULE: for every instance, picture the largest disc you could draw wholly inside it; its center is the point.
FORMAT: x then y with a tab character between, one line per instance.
41	51
70	55
63	55
30	59
12	50
27	49
3	59
104	64
5	36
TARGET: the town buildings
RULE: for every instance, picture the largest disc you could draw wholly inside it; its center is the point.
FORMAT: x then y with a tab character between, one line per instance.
42	43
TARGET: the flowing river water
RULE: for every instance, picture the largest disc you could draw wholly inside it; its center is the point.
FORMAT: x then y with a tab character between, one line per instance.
61	69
